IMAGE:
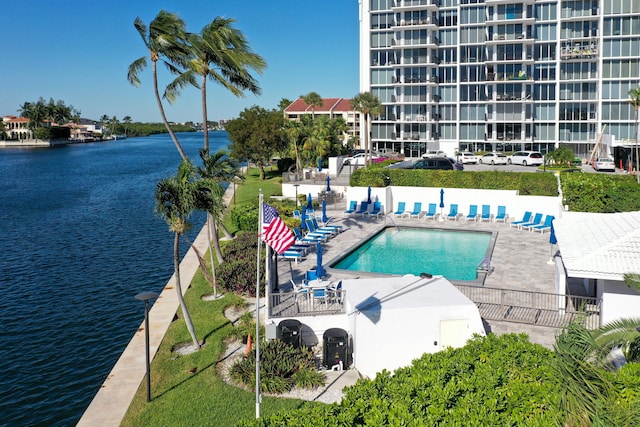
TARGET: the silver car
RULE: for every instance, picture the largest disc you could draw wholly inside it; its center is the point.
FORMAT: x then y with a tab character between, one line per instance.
604	164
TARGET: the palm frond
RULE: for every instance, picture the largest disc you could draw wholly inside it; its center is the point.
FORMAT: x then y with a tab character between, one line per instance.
135	68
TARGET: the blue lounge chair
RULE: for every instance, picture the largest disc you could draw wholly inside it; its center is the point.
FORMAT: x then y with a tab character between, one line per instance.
502	214
309	238
546	225
417	210
473	213
292	255
335	228
525	219
453	212
364	208
431	213
537	220
301	247
377	210
401	209
353	205
296	214
486	213
325	231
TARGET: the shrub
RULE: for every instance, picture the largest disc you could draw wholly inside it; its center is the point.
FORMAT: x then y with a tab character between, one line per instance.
587	192
238	273
285	164
282	367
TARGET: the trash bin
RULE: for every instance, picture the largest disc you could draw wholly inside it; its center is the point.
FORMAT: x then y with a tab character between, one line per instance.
289	332
335	348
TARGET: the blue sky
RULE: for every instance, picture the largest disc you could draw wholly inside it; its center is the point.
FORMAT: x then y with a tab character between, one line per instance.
79	51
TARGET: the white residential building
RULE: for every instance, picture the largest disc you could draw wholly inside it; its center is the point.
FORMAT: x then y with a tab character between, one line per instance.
501	75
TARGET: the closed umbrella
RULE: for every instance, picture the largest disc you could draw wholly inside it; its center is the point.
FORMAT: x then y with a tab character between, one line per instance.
552	241
369	194
441	200
309	202
303	218
319	164
324	212
328	183
320	271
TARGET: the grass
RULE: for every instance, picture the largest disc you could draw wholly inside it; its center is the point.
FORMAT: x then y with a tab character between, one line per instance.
180	397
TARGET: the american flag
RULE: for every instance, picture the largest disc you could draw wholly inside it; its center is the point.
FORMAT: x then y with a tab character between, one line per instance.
274	231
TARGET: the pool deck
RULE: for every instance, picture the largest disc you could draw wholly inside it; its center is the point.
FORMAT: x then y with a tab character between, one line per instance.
520	260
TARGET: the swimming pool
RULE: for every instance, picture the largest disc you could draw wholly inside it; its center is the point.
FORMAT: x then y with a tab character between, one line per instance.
450	253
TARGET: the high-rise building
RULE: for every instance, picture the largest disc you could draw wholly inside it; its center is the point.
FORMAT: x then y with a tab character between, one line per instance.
501	75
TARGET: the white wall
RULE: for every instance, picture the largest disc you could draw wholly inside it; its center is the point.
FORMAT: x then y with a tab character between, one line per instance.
622	301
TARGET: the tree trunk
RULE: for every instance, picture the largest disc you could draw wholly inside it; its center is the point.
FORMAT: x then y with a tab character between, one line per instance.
164	117
261	167
183	304
203	93
216	242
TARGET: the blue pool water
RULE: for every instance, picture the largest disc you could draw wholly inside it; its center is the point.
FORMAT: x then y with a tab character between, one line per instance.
452	254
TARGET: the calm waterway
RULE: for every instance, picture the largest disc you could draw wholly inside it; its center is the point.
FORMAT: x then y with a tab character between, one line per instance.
79	239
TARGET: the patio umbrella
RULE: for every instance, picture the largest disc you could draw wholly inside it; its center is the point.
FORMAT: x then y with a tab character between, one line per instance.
369	194
552	241
303	218
328	183
309	202
319	164
441	200
324	212
320	271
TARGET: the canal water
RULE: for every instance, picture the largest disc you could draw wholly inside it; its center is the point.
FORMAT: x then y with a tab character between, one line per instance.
78	240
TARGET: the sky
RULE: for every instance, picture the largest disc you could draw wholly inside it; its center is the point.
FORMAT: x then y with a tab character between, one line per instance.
78	51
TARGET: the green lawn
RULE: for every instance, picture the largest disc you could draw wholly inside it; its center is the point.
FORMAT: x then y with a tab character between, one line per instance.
180	397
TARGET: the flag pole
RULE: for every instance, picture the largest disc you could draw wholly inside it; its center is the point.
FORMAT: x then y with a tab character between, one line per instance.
257	341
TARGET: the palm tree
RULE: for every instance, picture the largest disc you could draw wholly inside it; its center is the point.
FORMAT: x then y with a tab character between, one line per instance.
367	104
113	123
221	53
622	334
176	198
104	119
634	94
127	121
313	100
294	131
166	41
218	168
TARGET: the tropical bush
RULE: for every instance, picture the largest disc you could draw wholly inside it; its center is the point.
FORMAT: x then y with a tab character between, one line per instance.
587	192
493	380
282	367
238	273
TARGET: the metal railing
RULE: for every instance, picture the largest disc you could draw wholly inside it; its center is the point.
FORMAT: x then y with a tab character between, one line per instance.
536	308
308	303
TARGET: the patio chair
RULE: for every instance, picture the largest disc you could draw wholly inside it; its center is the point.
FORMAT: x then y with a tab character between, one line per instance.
364	208
320	294
401	209
308	238
353	205
299	290
473	213
377	210
417	210
537	220
309	276
486	213
525	219
296	214
453	212
319	231
502	214
431	212
335	292
301	247
546	225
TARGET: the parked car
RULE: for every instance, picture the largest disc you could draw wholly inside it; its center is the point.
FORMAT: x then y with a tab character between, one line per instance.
467	157
526	158
358	159
438	163
434	153
604	164
493	159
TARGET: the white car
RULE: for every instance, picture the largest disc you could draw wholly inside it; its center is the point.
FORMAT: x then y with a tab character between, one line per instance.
358	159
526	158
493	159
433	153
604	164
467	157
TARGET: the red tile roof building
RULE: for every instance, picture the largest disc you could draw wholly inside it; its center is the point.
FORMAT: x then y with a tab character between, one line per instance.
331	108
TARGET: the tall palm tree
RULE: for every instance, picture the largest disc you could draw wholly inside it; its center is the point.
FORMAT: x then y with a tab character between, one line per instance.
166	41
313	100
634	94
127	121
622	334
367	104
221	53
294	131
176	198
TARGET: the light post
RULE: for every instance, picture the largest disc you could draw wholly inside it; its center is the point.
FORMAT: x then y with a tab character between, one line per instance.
146	297
297	202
